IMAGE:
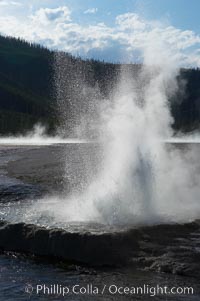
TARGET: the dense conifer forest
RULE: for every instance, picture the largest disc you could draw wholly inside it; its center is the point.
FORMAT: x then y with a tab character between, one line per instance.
28	94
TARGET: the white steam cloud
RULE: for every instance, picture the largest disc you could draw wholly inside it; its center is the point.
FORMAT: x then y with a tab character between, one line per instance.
37	137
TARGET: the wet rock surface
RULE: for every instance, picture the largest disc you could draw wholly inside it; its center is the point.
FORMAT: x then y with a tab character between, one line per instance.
35	165
19	192
93	249
164	248
171	249
27	173
55	169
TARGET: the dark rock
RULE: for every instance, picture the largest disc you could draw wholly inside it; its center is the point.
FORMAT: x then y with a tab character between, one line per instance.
101	249
163	248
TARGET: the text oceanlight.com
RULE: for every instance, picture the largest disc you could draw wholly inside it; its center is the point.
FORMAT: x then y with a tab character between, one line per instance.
112	289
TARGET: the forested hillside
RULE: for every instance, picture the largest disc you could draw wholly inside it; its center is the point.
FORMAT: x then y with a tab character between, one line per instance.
27	87
186	107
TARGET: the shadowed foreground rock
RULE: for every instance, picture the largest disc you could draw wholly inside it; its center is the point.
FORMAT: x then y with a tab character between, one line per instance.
101	249
165	248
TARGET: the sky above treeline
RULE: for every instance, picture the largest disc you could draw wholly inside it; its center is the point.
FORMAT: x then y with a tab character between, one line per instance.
110	30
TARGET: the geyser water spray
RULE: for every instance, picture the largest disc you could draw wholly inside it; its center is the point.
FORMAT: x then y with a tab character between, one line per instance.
138	178
132	128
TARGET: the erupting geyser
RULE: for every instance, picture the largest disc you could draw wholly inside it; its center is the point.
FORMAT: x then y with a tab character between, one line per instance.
138	177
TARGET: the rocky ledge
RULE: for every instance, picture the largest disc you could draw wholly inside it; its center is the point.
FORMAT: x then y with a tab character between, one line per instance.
166	248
